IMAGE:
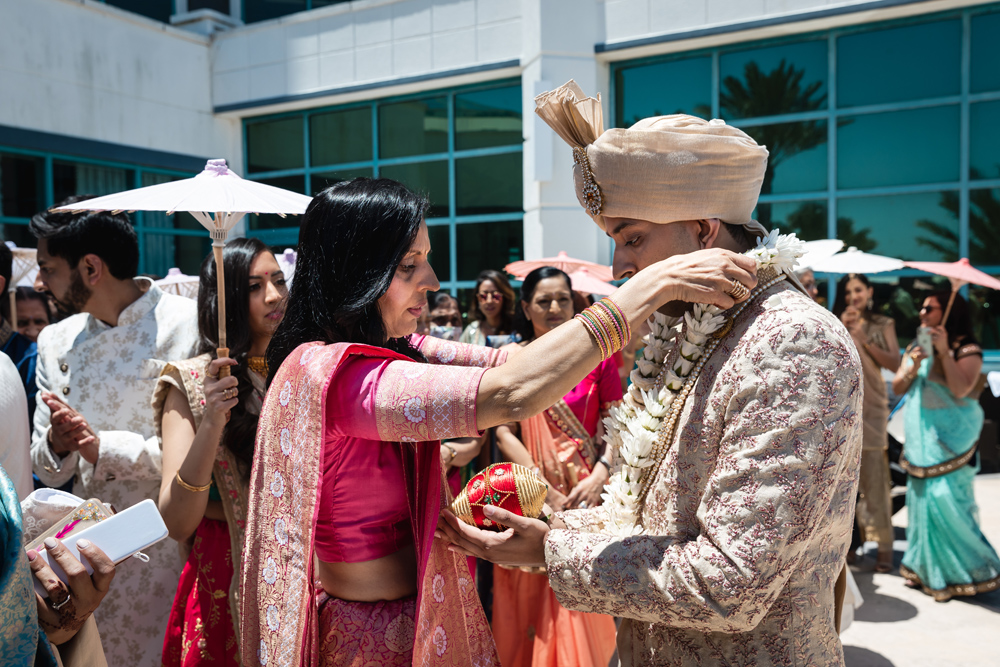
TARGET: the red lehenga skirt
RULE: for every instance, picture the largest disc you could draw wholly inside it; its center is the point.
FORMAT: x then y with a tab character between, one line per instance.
200	630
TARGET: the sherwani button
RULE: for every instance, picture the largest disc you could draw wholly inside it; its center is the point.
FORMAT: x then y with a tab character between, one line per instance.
64	368
567	573
65	391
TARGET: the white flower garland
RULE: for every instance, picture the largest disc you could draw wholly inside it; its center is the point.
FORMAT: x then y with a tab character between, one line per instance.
631	429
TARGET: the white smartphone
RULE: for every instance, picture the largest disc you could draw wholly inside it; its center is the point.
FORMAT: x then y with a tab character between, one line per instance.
118	536
925	341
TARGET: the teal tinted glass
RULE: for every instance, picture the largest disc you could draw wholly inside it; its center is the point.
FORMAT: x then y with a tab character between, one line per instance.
984	141
807	219
898	148
896	64
270	221
75	178
275	144
984	227
429	179
797	160
324	179
340	137
440	245
22	186
986	52
488	118
158	10
262	10
790	78
488	245
161	252
488	184
920	226
18	234
414	127
985	307
658	89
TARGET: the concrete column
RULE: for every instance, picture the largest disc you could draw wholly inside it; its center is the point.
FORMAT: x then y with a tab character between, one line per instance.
559	38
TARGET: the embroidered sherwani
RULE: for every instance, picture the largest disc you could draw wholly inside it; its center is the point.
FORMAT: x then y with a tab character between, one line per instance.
749	516
108	374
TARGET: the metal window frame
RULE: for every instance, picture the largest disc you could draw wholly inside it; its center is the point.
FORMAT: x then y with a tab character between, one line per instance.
832	194
289	235
138	218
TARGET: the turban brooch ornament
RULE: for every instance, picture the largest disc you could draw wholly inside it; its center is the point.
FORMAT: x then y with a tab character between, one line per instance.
591	190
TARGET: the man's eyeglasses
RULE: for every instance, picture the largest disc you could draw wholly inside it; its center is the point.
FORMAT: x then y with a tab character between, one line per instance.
929	309
489	296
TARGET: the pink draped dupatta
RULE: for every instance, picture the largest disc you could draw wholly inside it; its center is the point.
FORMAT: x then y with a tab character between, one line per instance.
280	619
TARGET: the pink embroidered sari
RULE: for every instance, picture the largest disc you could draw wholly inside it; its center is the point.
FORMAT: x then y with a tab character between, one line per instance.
286	617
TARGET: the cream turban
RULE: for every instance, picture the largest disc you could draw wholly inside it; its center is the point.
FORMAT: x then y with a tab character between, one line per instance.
662	169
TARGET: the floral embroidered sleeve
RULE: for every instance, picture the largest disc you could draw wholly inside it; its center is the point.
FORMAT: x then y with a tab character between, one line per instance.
396	400
793	409
448	352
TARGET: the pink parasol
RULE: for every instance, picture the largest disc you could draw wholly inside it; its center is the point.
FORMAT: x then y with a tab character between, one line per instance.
585	283
960	273
563	262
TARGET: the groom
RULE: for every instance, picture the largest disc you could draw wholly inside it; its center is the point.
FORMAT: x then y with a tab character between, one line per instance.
732	555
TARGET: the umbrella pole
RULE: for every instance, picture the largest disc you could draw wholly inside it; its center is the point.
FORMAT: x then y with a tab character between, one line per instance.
947	311
13	308
220	273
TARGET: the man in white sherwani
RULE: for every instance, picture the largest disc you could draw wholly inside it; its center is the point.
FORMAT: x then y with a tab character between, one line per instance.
96	373
727	519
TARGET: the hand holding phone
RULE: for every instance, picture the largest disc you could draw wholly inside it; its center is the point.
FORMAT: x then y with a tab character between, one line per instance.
925	341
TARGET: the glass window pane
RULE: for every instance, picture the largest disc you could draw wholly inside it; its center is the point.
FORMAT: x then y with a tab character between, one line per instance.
488	245
898	148
488	118
797	160
22	186
72	178
340	137
440	256
677	86
275	144
790	78
429	179
273	221
985	305
323	180
984	144
806	218
414	127
262	10
489	184
905	63
985	52
221	6
913	227
159	10
984	227
18	234
161	252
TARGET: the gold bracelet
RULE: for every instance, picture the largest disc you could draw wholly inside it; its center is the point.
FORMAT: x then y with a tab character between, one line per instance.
189	487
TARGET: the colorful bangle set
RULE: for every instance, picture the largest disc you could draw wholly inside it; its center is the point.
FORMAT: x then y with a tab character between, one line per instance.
608	325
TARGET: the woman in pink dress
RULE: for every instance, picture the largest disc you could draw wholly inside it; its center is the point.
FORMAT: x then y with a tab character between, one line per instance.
341	565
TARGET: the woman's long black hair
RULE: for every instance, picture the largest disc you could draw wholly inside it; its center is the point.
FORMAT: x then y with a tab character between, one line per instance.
353	236
237	257
522	325
840	300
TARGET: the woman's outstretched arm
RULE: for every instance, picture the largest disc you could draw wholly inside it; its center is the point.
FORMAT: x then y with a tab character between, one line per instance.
548	368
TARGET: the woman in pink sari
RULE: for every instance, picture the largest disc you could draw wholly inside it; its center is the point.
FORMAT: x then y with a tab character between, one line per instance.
341	564
564	444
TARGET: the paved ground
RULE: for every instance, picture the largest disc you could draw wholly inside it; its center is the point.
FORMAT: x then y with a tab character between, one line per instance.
900	627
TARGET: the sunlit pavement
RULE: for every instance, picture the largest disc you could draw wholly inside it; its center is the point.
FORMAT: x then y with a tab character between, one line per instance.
901	627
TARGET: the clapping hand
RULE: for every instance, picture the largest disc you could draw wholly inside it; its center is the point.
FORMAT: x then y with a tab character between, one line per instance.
69	430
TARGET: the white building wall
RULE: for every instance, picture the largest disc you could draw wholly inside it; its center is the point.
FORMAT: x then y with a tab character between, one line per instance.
362	42
83	69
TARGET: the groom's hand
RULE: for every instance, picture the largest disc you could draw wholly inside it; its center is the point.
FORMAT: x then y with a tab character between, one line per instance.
523	543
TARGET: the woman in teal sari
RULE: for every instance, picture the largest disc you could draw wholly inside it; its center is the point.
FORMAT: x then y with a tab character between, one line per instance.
947	553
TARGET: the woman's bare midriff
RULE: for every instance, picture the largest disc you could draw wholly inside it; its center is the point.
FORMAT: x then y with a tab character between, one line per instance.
214	510
391	577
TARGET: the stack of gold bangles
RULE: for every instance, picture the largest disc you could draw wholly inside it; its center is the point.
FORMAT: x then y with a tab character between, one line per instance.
608	325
